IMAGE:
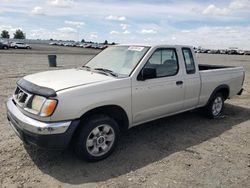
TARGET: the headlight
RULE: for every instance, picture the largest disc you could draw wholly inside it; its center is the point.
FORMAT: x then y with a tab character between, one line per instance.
37	103
42	106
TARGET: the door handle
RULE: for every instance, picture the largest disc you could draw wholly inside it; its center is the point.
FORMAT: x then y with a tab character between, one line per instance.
179	83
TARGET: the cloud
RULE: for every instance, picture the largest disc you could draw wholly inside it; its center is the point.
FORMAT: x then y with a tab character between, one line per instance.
186	24
93	36
239	4
67	30
61	3
124	26
75	23
148	39
58	34
115	18
114	32
213	10
38	11
213	37
126	32
148	31
235	5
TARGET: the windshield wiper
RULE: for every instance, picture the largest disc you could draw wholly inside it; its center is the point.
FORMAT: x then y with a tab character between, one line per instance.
107	71
85	67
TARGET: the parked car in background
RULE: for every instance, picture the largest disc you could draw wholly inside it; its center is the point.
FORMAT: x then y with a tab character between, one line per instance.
247	52
53	43
4	46
95	46
20	45
204	50
223	51
85	45
240	52
102	47
232	52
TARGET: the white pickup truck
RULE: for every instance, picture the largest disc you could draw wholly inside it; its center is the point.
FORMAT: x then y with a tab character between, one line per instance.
121	87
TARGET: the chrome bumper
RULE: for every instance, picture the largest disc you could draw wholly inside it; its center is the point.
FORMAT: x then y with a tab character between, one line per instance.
23	122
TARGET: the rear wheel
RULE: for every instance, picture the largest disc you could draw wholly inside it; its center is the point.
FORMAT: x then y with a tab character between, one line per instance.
97	138
215	106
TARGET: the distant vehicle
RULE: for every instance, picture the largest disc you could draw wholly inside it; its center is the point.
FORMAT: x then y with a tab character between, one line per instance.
4	46
87	46
53	43
205	51
95	46
17	45
247	52
223	51
60	44
240	52
232	52
67	44
213	52
102	47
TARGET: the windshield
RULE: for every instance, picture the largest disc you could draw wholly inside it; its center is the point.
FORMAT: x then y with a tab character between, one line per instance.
119	59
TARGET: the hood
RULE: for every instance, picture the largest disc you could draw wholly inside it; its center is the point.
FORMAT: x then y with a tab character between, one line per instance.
63	79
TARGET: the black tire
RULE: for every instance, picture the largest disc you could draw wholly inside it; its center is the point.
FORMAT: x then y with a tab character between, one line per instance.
15	47
88	126
209	109
5	47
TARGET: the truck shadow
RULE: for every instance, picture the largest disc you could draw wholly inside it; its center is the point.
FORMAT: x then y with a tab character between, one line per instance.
140	146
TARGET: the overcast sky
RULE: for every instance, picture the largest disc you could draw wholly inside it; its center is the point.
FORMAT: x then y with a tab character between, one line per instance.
210	23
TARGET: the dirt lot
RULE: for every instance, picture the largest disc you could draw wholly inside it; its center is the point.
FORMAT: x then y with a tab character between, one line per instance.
187	150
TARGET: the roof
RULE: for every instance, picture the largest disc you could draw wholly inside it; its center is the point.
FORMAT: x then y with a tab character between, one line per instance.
154	45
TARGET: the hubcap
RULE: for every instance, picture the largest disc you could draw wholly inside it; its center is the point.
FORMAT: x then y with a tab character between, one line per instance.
217	106
100	140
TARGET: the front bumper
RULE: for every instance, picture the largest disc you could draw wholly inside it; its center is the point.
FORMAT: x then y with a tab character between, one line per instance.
51	135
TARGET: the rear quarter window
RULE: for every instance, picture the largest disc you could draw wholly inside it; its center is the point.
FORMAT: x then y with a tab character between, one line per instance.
188	60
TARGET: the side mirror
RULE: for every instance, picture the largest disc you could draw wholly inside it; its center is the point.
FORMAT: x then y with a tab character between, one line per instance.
147	73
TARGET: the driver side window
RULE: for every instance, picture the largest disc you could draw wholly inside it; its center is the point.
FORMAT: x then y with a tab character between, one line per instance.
164	61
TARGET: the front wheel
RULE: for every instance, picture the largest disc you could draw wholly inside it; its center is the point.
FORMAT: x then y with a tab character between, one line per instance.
97	138
215	106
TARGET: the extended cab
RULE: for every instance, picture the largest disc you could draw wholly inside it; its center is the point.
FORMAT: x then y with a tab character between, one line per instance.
121	87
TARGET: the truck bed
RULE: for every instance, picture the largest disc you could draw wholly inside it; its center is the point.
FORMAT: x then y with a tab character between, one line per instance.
217	75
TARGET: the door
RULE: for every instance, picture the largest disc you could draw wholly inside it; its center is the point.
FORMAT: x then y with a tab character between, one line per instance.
192	80
160	96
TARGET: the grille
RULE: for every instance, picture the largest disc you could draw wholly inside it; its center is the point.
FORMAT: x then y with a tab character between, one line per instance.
21	97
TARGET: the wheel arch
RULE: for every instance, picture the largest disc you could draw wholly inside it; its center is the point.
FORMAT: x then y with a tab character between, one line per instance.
113	111
223	89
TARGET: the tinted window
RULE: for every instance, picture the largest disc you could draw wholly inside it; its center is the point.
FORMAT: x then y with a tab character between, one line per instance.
164	61
189	60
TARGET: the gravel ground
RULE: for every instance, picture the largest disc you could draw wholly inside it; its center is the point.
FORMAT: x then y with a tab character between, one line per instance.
186	150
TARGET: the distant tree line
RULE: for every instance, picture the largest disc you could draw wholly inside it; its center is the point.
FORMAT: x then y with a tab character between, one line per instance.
19	34
105	42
